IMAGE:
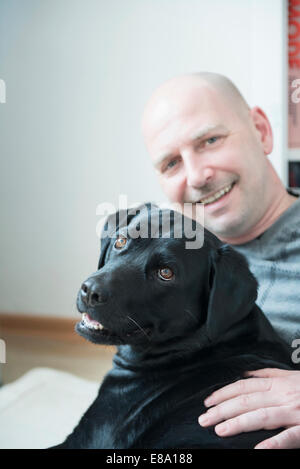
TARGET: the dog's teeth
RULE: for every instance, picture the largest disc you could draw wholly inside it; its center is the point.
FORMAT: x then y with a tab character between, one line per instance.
90	323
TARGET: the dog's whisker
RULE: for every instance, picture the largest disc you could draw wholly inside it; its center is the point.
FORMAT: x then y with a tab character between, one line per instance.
140	327
191	314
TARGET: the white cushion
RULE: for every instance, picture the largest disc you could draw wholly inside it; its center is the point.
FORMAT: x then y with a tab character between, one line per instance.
42	407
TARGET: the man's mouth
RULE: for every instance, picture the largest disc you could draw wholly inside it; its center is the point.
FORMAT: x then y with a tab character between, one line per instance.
217	195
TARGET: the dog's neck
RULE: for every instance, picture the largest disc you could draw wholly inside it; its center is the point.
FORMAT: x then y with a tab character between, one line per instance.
177	351
247	334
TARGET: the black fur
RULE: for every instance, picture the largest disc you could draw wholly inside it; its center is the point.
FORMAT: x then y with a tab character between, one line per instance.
178	340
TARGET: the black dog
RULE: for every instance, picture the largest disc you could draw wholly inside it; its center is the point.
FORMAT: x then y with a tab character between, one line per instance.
185	323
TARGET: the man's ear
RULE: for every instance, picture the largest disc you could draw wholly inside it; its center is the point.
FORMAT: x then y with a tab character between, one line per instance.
114	223
263	127
233	291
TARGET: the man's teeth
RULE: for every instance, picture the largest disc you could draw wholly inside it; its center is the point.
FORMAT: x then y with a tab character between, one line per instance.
90	322
217	195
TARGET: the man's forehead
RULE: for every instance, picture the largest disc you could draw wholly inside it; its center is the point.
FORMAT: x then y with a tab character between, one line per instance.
186	99
171	103
191	119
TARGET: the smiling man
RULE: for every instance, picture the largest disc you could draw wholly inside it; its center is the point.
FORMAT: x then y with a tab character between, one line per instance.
207	145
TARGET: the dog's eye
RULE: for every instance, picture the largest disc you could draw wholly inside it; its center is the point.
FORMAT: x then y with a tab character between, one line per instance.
165	273
120	242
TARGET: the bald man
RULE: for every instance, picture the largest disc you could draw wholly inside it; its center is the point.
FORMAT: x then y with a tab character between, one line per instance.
208	146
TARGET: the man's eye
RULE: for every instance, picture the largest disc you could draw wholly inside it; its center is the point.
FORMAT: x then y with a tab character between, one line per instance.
208	142
211	140
170	164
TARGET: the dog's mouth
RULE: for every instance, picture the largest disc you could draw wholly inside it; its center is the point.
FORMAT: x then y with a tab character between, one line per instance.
91	323
95	332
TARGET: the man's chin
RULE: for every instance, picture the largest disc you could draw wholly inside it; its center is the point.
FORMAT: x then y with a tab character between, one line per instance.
225	227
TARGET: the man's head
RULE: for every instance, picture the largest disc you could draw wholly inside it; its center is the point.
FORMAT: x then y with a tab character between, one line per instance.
203	138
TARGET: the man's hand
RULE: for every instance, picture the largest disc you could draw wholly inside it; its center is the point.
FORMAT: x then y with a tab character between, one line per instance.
269	399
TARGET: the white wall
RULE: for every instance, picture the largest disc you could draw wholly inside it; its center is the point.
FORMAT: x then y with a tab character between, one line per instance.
77	75
269	72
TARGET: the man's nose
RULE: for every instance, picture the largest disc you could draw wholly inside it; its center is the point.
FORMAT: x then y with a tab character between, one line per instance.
93	292
198	172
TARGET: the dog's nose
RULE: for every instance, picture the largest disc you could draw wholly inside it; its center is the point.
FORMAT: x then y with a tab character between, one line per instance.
93	294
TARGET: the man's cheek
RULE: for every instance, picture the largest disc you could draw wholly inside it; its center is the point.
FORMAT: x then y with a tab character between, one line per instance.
174	189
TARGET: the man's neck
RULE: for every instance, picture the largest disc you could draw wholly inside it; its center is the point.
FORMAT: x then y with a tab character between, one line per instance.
276	208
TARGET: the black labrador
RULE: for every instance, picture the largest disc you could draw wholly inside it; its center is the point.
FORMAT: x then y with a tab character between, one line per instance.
184	322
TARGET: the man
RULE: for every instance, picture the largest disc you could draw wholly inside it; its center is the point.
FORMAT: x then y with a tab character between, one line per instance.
208	146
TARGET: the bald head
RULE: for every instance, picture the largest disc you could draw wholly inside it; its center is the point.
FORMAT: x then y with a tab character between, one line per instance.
173	94
208	146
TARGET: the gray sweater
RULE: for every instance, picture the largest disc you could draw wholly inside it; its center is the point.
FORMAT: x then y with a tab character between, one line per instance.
274	259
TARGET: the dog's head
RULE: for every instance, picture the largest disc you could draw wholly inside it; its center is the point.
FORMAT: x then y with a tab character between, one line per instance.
150	289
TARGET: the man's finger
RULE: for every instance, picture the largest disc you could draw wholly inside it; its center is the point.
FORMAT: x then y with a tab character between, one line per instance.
268	418
268	373
288	439
243	386
240	405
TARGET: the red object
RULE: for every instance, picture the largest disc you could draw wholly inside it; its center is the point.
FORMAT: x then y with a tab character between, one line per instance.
294	74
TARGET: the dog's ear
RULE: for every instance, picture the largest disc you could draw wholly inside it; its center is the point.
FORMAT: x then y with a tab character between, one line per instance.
233	291
109	228
114	222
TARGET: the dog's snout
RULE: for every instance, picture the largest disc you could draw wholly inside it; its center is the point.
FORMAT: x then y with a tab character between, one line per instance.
92	293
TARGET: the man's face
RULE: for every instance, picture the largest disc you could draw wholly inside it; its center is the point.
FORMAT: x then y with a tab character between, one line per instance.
205	150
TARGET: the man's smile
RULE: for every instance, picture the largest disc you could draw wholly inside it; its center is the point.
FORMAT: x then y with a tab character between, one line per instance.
217	195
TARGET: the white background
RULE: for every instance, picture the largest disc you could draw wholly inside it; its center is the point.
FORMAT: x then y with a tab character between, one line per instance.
77	74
